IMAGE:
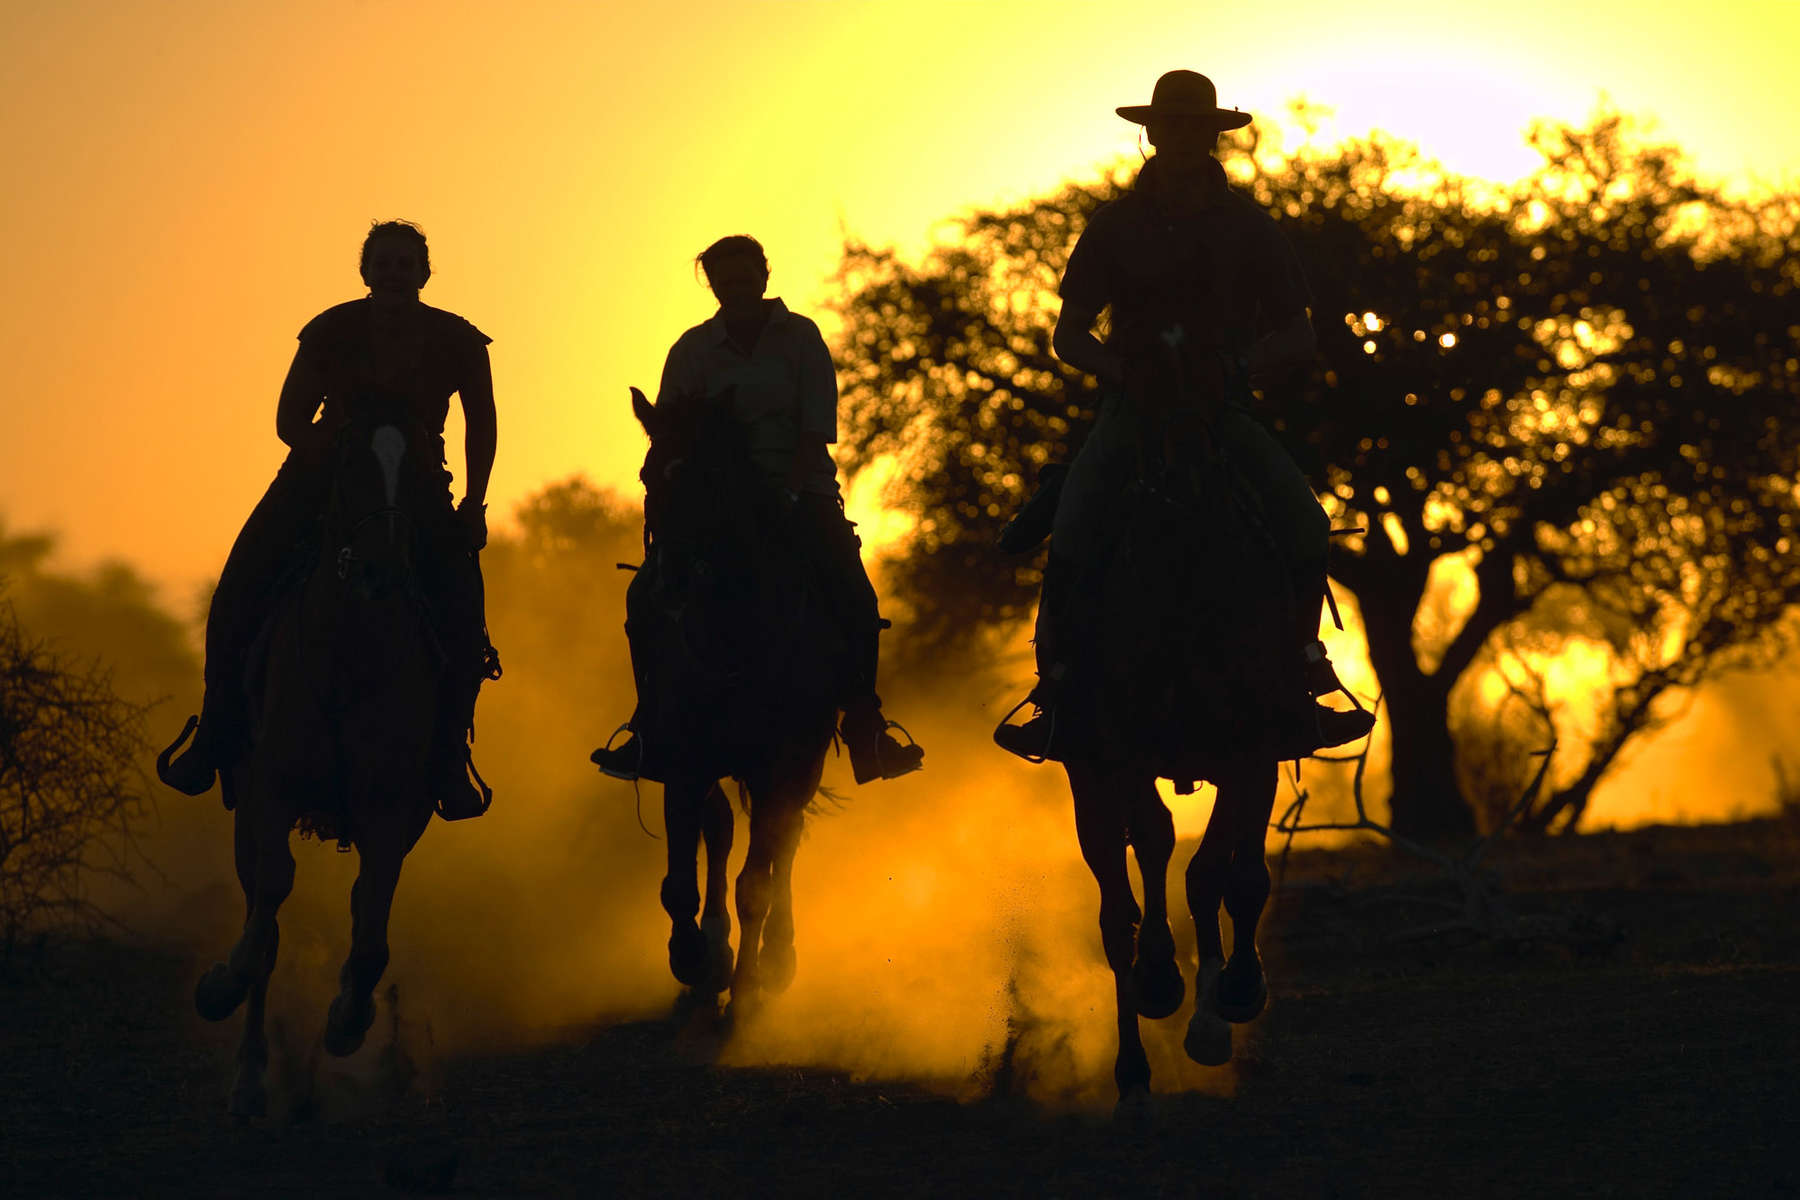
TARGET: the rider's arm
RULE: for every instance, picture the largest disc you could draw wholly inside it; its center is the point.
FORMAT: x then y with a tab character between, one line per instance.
818	397
1086	288
302	393
1074	342
480	428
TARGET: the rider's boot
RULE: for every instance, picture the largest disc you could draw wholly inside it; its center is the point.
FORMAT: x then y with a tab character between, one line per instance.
874	752
630	759
457	789
1033	741
1331	727
1337	727
214	745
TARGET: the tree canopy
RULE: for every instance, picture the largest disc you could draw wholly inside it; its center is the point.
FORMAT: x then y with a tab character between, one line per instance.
1579	391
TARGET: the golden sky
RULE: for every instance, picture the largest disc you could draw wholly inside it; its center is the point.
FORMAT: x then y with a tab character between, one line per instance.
189	183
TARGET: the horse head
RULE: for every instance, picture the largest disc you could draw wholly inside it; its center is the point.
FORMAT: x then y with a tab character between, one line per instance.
704	497
713	528
382	492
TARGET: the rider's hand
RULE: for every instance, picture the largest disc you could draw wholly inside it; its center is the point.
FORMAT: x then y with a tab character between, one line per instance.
473	518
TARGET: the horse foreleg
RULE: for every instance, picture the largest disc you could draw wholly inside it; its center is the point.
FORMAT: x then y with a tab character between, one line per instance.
1100	829
685	802
1243	989
1155	976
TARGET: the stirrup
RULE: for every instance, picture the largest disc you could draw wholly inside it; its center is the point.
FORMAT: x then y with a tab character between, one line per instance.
910	743
637	768
878	758
1049	714
188	740
470	774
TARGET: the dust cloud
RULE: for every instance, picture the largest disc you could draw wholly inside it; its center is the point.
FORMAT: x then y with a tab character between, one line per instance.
947	930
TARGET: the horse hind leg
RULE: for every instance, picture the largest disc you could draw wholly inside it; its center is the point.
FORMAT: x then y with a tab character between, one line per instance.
265	870
1208	1039
1100	830
797	790
1155	975
249	1090
1242	986
778	930
755	890
352	1010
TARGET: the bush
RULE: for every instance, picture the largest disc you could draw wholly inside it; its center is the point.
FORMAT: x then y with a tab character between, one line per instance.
72	793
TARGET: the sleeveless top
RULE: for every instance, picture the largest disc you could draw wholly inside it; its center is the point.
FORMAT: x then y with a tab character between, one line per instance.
416	382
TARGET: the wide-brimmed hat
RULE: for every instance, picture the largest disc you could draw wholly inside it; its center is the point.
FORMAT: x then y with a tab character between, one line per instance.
1185	96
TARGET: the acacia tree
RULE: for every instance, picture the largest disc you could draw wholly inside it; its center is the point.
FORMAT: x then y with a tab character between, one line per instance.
1581	387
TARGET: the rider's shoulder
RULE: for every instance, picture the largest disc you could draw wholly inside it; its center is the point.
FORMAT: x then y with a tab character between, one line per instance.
1122	209
797	323
454	327
332	322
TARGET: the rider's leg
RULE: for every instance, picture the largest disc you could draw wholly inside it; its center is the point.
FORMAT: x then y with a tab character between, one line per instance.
639	756
1066	617
240	601
1303	532
837	553
462	625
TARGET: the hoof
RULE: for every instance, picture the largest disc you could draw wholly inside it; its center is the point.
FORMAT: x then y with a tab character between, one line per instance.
1208	1040
1159	987
249	1099
688	957
347	1023
219	992
1155	978
777	967
1135	1111
1243	989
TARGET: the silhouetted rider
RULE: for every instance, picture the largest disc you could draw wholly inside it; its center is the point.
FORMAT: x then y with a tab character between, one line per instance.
1193	274
783	390
385	354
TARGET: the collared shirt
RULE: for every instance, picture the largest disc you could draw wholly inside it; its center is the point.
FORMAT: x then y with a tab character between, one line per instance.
785	386
1222	269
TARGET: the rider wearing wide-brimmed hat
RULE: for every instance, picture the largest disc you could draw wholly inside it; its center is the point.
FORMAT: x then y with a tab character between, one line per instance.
1184	265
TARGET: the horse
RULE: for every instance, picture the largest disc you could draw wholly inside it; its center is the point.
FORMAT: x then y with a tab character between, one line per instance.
345	687
1196	676
743	662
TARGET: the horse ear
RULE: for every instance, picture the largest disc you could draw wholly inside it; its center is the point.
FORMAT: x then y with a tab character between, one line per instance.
644	411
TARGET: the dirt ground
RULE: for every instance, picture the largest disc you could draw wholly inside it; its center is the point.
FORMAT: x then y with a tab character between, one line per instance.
1635	1034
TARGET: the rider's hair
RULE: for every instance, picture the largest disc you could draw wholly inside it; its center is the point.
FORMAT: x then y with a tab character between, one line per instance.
405	229
737	245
